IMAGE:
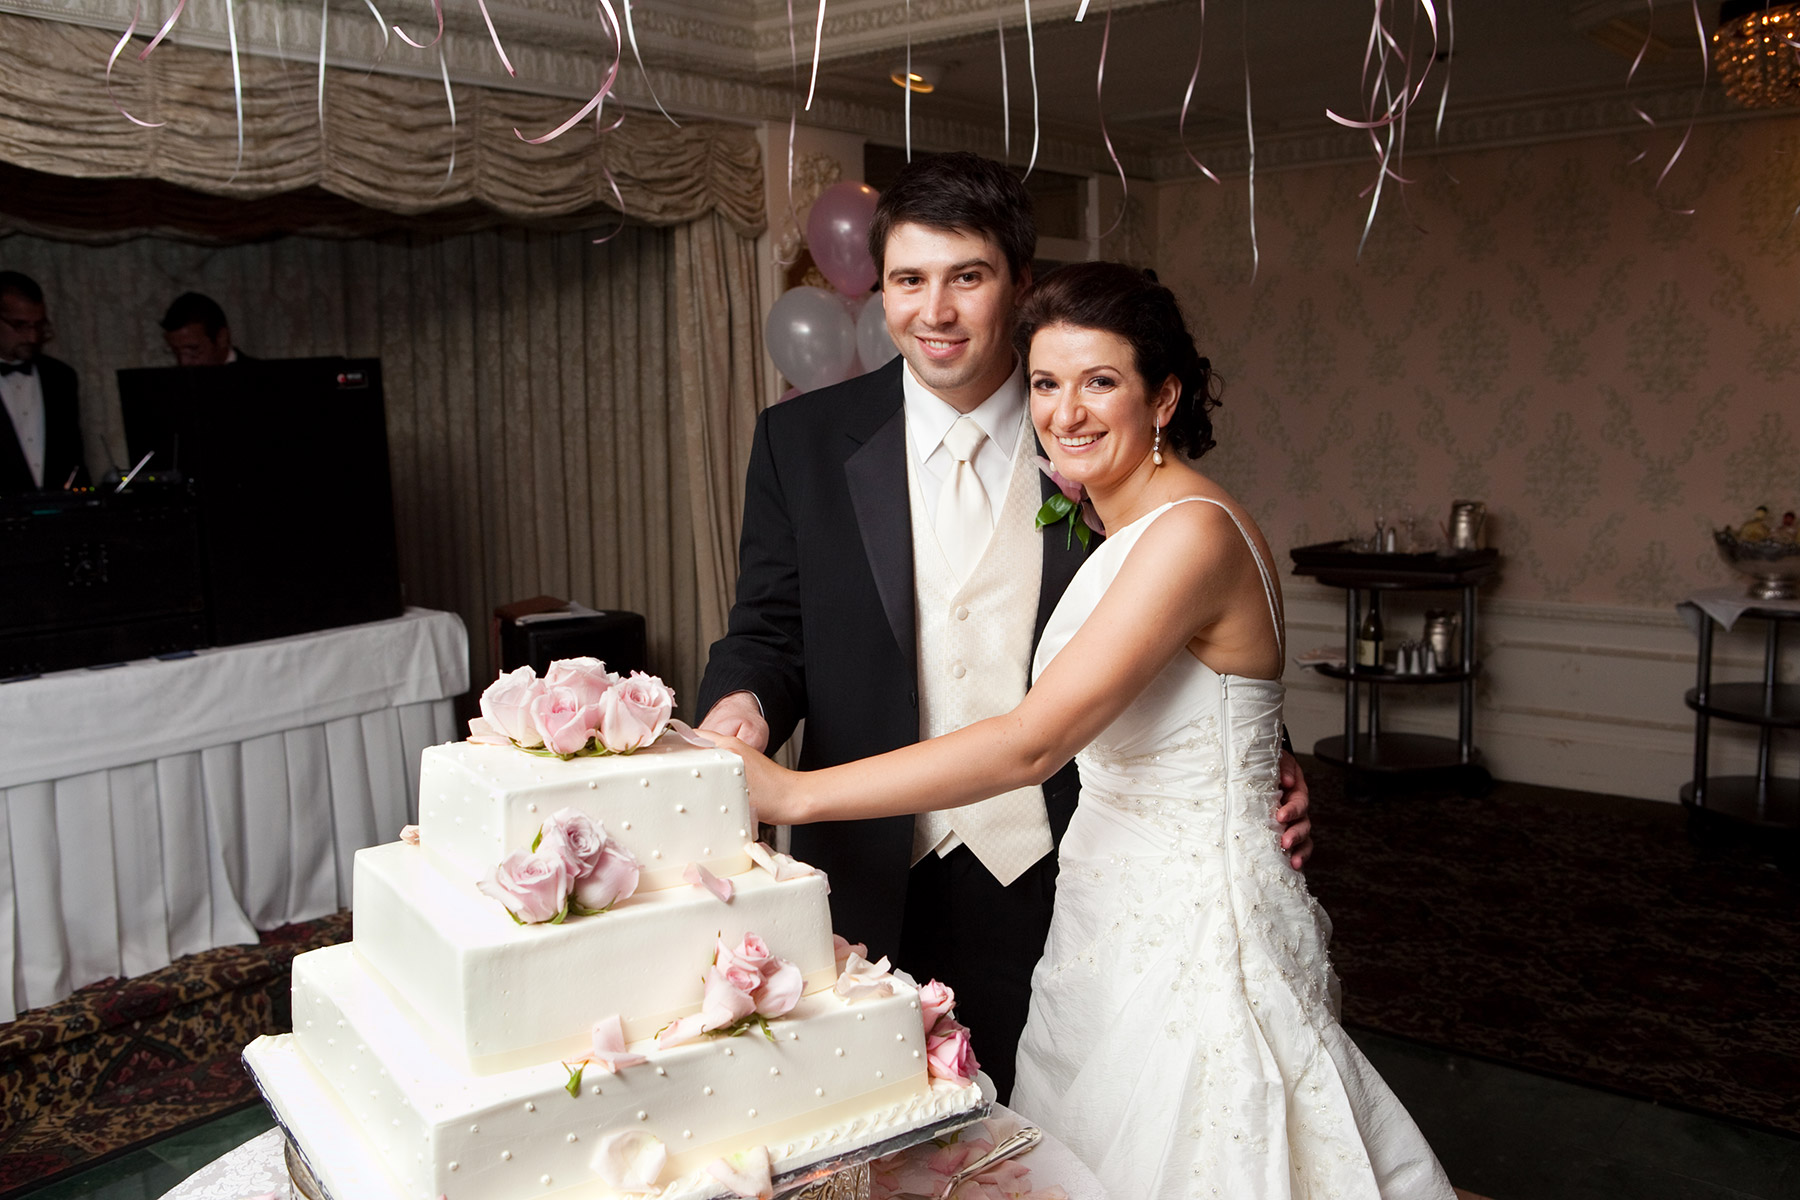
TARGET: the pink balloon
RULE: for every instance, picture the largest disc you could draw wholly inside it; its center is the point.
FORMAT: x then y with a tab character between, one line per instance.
837	232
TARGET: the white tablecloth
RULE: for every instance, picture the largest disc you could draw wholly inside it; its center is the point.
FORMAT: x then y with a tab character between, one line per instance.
1726	604
161	808
255	1169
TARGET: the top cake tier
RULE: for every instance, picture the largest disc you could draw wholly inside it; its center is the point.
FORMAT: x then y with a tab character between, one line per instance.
668	804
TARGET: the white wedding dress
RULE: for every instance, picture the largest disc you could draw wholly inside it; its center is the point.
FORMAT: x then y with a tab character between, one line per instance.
1183	1037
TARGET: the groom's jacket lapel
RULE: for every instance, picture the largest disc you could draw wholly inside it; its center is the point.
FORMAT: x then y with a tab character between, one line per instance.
875	474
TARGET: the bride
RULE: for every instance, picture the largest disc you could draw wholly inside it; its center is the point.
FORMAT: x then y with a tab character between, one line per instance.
1183	1037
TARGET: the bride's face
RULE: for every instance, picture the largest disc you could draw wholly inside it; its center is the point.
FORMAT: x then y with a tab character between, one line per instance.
1094	413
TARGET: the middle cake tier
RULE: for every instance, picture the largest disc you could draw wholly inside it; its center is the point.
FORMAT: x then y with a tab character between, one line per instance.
496	995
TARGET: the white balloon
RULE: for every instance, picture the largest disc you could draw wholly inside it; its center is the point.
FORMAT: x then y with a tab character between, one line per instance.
873	344
811	337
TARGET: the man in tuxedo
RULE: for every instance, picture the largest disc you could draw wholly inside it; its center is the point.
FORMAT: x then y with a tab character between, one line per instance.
40	447
892	586
197	332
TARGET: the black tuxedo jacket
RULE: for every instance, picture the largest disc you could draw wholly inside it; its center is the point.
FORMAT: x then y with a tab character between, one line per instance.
824	629
62	433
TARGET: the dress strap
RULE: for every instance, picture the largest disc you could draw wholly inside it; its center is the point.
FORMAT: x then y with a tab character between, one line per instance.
1262	568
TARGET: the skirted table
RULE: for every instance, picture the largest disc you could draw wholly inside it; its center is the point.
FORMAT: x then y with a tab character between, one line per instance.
161	808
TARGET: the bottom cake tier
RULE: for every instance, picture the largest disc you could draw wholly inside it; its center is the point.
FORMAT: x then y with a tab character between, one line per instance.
377	1113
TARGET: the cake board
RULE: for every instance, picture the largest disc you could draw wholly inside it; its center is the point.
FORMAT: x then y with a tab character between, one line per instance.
355	1172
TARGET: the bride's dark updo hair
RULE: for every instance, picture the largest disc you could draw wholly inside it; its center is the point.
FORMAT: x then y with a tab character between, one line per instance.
1131	305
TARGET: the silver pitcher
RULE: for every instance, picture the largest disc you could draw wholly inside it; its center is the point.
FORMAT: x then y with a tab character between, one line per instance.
1443	635
1466	520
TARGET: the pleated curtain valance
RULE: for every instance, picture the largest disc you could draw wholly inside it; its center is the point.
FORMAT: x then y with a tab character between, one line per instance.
385	140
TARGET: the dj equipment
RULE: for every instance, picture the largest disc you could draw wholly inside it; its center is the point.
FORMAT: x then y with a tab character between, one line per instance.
289	460
93	577
264	511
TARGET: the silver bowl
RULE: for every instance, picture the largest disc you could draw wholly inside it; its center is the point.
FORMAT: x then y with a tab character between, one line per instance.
1772	567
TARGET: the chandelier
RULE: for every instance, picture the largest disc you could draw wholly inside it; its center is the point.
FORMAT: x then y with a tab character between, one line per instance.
1757	52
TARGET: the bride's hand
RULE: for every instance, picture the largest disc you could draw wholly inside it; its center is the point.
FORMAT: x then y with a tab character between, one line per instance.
774	790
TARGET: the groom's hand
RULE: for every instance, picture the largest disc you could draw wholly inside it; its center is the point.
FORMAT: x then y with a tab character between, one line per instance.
740	716
1296	832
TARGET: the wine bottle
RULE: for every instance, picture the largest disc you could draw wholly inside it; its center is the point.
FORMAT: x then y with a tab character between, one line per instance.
1368	639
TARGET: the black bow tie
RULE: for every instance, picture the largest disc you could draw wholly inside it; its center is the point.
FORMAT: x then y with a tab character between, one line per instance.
22	368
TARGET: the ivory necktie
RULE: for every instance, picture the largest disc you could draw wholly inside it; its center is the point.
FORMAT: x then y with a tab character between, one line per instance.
964	519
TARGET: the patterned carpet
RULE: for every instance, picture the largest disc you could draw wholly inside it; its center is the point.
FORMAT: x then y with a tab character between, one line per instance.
1583	936
123	1062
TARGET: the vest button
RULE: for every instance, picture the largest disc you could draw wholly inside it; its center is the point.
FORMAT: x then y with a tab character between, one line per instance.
962	612
957	670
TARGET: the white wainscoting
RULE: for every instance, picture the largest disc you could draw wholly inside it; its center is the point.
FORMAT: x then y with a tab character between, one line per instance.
1571	695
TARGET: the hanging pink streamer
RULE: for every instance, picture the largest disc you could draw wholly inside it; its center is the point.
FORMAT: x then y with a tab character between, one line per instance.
450	99
611	182
1188	97
1031	61
1100	107
608	20
907	104
818	42
498	48
1437	128
324	30
1705	63
1250	131
237	82
1005	93
162	33
631	32
113	58
793	125
437	7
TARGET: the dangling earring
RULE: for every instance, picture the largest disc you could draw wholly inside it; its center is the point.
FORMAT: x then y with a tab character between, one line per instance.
1156	446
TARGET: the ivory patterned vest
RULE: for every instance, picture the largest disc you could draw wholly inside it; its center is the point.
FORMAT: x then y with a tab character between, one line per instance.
974	638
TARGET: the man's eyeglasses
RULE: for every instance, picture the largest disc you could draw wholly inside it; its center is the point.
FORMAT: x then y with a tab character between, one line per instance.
42	328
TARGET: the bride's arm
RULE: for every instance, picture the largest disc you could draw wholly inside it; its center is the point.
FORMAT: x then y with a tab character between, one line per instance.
1178	581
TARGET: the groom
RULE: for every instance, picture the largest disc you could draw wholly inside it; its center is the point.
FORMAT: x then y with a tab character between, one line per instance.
892	586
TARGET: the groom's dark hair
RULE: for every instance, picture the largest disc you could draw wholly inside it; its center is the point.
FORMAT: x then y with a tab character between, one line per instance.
958	193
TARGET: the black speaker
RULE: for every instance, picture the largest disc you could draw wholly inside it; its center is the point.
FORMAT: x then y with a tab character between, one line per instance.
615	638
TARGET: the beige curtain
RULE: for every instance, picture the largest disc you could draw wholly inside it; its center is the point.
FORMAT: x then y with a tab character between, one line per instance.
563	417
386	140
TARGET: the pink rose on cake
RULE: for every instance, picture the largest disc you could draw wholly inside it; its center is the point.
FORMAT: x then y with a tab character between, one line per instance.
935	1000
565	721
533	887
586	675
634	713
506	710
948	1054
602	872
745	986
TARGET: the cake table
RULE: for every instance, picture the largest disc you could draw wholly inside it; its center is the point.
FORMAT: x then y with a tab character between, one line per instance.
255	1170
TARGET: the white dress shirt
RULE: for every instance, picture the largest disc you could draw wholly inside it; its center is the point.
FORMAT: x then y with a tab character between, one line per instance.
24	396
928	418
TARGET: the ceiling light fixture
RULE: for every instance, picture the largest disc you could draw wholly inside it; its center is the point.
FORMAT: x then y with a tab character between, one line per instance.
923	79
1757	52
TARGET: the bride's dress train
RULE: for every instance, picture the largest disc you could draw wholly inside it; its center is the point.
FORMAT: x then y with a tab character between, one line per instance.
1183	1037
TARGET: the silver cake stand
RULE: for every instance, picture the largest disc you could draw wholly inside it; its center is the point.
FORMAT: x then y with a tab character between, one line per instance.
840	1177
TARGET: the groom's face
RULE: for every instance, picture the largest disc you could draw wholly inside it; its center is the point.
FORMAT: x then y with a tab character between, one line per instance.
949	297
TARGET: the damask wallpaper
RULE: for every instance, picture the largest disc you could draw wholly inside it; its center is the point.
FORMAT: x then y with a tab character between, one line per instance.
1531	327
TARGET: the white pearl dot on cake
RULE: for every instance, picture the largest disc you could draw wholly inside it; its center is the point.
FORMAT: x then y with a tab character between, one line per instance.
706	1091
818	1091
859	1016
878	1074
724	808
912	1004
774	1070
530	1107
474	1129
592	784
572	1138
643	783
695	772
793	1035
729	1052
687	1133
915	1054
660	1071
706	851
743	833
839	1052
544	1179
531	808
506	1156
454	1165
642	1115
624	824
899	1037
681	808
594	1091
753	1114
656	854
737	770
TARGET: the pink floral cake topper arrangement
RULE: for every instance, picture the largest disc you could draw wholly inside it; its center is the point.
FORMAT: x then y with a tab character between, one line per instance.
572	868
578	708
746	988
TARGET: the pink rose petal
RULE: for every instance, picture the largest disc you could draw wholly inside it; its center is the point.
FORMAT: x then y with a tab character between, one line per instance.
409	834
701	877
747	1173
609	1045
630	1161
863	980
